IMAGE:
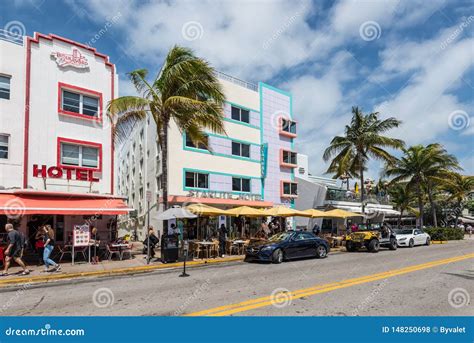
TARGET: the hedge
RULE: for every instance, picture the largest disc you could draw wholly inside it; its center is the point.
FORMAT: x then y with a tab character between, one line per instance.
445	233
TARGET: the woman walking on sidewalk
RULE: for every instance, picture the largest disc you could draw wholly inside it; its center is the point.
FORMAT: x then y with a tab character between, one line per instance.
48	239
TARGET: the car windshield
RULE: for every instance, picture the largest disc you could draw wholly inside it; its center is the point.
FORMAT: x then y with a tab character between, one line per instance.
404	232
279	237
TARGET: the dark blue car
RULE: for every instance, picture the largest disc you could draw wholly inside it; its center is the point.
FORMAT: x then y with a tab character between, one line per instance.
286	246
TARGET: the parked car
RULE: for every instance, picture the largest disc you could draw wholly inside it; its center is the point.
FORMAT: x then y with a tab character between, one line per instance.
286	246
371	237
412	237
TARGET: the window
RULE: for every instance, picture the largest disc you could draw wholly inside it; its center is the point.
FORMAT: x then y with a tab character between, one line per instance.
240	184
240	149
289	157
80	103
5	87
79	155
288	126
240	114
290	189
4	146
201	145
197	180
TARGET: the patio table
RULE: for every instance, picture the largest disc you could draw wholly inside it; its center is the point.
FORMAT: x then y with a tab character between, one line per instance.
207	246
120	247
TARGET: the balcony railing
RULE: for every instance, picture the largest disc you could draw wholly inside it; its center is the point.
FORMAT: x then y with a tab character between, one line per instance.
336	195
248	85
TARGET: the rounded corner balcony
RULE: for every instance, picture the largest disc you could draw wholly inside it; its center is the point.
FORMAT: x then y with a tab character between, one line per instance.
288	189
288	158
287	127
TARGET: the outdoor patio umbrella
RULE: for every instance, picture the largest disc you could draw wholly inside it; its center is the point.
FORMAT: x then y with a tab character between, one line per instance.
283	211
315	213
338	213
205	210
176	213
245	211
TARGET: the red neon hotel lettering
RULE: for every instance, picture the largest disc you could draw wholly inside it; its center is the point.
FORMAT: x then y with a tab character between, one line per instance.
81	175
55	172
37	171
91	177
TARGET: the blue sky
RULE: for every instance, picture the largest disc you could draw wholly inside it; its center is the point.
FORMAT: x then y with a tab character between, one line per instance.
411	59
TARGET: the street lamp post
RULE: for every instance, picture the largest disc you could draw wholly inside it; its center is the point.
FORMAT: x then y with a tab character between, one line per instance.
185	248
148	199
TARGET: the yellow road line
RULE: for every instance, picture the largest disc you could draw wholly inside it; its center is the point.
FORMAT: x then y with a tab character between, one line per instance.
269	300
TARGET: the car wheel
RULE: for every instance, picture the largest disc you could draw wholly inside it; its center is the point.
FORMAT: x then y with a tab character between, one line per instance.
277	256
321	251
428	241
411	244
393	244
374	245
350	246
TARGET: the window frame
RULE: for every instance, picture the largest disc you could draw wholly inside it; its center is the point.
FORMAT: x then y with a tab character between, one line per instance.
192	146
195	179
288	195
240	114
240	149
7	145
81	92
287	132
9	77
241	184
289	164
87	144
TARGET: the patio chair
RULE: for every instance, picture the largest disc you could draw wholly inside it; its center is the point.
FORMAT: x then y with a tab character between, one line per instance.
64	250
127	250
214	248
111	252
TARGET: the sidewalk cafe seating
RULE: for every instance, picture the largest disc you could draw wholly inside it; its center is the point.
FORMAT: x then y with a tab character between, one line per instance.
214	248
111	252
127	250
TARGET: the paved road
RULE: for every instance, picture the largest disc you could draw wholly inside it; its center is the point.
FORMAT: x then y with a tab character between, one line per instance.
404	282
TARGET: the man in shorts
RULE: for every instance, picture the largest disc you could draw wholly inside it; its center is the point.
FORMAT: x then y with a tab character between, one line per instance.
14	250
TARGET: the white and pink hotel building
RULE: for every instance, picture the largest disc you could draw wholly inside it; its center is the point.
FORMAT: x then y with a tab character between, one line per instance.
56	144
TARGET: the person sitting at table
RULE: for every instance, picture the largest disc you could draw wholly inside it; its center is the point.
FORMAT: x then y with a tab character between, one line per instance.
95	240
153	241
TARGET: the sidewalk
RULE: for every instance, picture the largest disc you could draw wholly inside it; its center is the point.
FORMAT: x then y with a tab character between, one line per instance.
135	265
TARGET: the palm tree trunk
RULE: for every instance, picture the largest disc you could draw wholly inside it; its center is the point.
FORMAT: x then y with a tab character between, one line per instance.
164	163
362	191
420	205
458	210
432	204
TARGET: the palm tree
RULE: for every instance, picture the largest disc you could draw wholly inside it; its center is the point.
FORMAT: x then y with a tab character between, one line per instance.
343	171
423	167
459	187
402	198
363	139
186	92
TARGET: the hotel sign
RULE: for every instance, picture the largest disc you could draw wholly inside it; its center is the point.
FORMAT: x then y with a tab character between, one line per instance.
224	195
71	173
75	60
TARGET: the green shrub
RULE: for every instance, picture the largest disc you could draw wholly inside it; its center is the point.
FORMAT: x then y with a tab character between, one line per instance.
445	233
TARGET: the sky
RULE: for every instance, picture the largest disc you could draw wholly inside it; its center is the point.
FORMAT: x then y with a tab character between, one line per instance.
410	59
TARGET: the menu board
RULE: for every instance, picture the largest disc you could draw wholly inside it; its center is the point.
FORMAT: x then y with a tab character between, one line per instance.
81	235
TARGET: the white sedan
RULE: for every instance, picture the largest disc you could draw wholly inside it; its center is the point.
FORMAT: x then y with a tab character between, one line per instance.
412	237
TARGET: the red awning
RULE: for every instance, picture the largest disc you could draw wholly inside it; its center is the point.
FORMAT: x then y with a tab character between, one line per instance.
18	203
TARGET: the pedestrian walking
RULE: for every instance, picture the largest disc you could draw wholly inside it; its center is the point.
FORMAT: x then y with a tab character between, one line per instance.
39	245
222	239
154	240
14	250
49	242
316	229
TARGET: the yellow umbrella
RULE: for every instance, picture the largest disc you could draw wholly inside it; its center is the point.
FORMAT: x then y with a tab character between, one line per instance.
313	213
205	210
245	211
283	211
338	213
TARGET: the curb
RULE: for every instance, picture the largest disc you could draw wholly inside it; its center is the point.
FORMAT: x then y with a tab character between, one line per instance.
122	271
439	242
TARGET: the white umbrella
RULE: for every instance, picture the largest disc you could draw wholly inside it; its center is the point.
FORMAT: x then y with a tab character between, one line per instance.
176	213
